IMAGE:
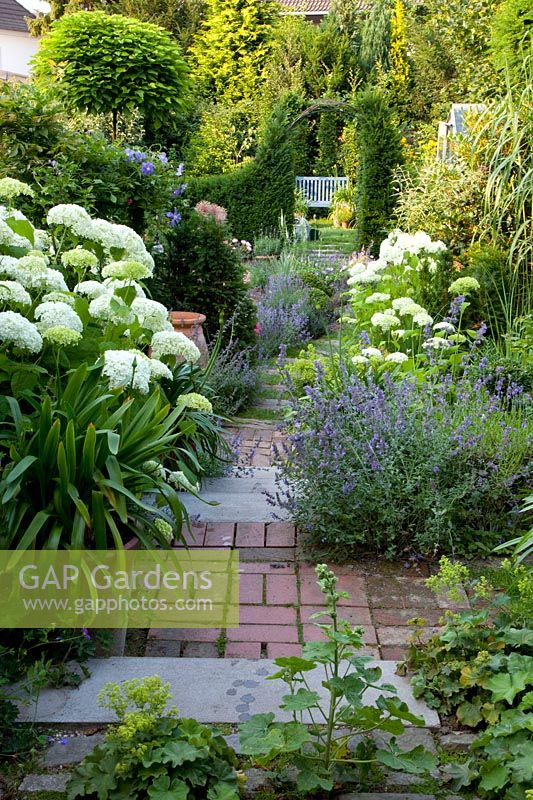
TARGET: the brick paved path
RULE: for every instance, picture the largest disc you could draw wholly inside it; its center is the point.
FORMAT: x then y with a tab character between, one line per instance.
278	594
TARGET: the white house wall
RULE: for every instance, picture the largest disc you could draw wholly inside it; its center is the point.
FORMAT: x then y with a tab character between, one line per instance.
16	49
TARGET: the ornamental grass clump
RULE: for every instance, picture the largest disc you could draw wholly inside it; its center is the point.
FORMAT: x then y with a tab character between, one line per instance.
400	466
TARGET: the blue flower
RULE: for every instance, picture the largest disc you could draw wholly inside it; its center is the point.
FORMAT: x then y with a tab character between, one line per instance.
174	217
130	154
180	170
86	634
163	157
147	168
179	191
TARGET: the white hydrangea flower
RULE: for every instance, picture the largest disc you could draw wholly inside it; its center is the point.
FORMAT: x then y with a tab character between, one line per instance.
20	332
14	292
447	327
91	289
127	370
422	319
180	481
108	308
359	360
464	285
51	281
41	239
71	216
11	187
120	237
159	370
401	302
51	315
436	343
127	270
386	322
377	297
150	313
173	343
411	310
79	257
196	402
154	468
59	297
371	352
397	358
9	238
112	283
61	336
34	264
39	254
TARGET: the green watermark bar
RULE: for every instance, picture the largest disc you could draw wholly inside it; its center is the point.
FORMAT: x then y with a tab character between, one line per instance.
118	589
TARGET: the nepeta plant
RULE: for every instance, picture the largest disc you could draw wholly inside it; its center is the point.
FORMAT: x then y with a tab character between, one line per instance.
395	466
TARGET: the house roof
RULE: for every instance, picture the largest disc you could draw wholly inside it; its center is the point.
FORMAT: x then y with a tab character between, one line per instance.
306	6
12	16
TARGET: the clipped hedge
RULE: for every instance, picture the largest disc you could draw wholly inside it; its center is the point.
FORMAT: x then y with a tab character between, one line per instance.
255	194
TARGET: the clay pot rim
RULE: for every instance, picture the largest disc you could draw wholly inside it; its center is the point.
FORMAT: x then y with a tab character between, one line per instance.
184	319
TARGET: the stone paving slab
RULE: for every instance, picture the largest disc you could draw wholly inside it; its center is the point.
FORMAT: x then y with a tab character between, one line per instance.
71	750
44	783
209	689
238	498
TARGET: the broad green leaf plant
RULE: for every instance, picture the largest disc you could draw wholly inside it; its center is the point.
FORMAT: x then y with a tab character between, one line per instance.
321	739
152	753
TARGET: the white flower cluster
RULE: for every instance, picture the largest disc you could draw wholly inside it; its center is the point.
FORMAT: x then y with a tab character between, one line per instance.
173	343
377	297
196	402
386	322
71	216
398	245
52	315
9	238
111	237
369	273
110	308
14	292
11	187
127	370
151	314
126	270
465	285
78	258
20	332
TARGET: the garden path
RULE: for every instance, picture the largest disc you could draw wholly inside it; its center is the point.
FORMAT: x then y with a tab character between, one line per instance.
278	591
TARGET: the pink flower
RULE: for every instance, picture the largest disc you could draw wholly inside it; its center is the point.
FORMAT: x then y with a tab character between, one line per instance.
207	209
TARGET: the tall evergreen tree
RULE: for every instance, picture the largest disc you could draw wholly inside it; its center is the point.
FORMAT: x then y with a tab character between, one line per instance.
232	47
379	152
376	38
398	48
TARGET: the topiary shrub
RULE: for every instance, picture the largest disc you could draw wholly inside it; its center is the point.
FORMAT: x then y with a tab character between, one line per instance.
380	152
200	271
256	193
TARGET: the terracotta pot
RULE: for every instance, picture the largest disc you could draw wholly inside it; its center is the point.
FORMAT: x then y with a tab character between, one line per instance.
345	225
190	324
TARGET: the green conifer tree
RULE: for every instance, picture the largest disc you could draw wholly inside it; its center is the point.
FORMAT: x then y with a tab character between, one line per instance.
376	38
232	46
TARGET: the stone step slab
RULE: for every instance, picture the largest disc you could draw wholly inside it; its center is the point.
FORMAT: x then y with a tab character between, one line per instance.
241	497
208	689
